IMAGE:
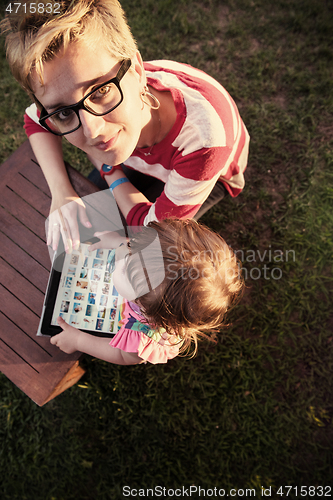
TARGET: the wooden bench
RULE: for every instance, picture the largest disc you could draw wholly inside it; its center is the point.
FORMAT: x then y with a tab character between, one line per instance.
39	369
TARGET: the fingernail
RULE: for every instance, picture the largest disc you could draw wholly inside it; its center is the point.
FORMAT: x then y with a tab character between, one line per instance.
87	224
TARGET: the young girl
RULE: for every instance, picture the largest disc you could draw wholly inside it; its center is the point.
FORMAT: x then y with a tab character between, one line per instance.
175	130
201	282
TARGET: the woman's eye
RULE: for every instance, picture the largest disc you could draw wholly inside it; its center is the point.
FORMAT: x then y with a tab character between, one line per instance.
66	114
102	92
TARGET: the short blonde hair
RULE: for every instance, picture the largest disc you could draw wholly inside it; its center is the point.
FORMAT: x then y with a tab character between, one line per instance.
36	38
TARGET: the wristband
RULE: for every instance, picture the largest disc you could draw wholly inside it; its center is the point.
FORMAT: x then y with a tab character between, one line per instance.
108	169
117	183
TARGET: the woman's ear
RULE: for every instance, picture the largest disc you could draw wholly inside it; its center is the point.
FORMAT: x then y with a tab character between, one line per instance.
139	70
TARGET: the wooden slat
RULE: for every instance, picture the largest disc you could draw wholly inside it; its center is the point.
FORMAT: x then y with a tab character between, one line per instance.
40	386
22	211
33	173
52	373
23	160
81	184
21	288
28	349
53	368
24	238
71	378
23	263
18	322
19	314
10	362
30	193
13	164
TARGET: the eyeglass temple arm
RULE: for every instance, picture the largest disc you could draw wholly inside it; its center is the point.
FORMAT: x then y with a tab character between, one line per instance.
123	68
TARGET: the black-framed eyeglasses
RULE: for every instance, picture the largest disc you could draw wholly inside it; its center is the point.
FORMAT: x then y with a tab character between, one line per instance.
100	101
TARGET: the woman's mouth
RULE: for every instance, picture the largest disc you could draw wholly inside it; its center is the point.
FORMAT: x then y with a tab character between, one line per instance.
107	145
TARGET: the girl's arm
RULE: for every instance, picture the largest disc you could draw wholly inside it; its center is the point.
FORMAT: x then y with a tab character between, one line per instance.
71	340
48	151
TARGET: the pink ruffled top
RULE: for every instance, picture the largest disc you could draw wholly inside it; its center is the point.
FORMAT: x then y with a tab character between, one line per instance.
136	336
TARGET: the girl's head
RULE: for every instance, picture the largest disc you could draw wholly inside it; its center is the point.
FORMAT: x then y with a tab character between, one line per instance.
38	32
202	278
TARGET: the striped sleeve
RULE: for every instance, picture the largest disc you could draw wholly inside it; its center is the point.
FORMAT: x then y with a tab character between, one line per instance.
31	121
189	184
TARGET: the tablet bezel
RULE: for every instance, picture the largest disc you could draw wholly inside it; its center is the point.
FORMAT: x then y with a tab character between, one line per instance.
47	329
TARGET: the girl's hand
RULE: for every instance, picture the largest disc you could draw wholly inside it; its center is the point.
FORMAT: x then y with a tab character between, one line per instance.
67	340
108	239
63	220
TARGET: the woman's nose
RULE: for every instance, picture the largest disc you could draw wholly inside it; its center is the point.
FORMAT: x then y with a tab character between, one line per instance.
92	125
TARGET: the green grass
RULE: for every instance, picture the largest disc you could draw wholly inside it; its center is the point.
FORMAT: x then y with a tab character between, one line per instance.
256	409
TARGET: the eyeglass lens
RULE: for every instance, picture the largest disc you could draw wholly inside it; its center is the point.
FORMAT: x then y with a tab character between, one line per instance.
101	102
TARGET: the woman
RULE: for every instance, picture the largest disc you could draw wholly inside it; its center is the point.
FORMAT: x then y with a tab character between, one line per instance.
166	138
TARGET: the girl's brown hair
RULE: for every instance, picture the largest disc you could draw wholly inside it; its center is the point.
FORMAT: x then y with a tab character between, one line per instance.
35	38
202	279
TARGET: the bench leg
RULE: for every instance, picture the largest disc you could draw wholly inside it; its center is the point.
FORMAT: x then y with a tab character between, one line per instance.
73	376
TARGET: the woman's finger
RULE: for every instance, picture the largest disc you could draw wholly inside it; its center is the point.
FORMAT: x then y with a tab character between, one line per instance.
83	217
98	234
55	235
53	230
49	233
66	234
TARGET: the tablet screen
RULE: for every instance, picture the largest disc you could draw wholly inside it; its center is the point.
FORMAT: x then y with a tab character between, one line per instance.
82	292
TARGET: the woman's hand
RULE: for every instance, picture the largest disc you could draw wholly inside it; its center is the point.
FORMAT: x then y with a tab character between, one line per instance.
67	340
108	240
62	220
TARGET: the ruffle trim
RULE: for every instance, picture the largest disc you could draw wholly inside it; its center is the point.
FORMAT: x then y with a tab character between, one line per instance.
147	348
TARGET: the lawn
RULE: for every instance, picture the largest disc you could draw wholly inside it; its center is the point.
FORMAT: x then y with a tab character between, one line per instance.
256	410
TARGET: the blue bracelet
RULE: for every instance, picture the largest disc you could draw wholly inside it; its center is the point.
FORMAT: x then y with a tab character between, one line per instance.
117	183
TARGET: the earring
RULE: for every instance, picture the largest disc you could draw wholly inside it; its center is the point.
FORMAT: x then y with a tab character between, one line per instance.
145	94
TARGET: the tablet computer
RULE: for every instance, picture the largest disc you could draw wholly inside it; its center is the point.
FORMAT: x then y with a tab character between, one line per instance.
81	291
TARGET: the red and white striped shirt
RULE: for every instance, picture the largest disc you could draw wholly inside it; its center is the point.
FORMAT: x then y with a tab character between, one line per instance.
207	143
